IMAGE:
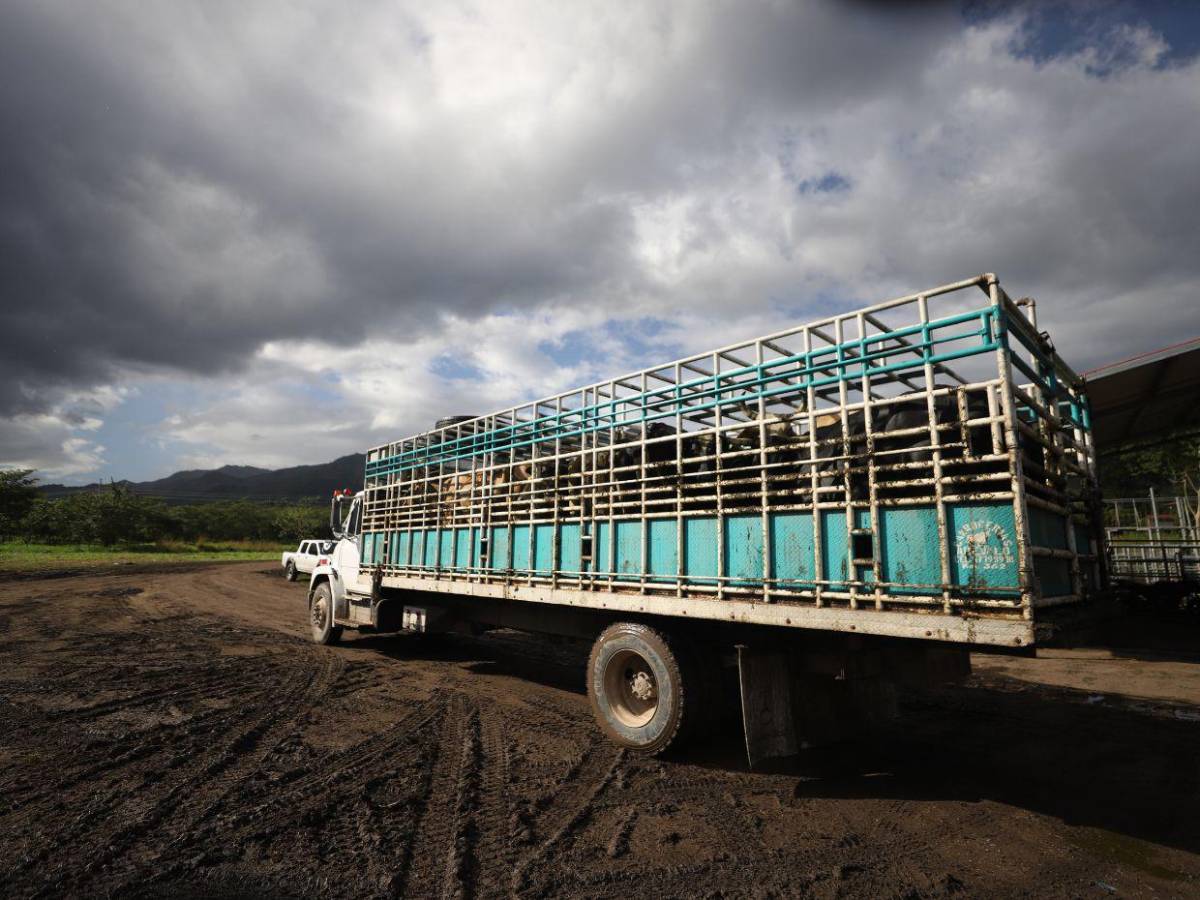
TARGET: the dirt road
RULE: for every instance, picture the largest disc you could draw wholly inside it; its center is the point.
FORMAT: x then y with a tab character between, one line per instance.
173	734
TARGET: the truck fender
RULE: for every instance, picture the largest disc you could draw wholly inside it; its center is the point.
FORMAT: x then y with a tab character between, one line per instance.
337	588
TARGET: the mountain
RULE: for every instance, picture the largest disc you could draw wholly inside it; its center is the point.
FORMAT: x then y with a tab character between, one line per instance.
243	482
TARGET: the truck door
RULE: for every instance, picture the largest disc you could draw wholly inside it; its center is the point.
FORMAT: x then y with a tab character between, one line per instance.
346	555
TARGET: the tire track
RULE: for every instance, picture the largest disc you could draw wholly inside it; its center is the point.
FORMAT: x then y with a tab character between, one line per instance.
135	816
584	783
424	869
242	760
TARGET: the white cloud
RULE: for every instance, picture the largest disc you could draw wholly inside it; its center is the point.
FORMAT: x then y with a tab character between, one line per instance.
342	227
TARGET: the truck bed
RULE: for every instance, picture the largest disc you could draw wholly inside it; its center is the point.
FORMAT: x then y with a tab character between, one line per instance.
922	468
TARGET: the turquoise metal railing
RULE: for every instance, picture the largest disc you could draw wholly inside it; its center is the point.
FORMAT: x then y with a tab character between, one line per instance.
823	367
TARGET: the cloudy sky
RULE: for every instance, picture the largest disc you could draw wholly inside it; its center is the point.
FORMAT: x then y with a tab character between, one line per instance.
276	233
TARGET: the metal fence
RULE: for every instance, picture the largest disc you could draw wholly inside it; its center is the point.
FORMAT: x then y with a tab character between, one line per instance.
930	452
1152	538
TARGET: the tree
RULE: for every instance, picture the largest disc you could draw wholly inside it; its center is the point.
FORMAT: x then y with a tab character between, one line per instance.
295	523
1169	466
18	491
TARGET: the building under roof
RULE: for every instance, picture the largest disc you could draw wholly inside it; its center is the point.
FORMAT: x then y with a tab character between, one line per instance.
1146	397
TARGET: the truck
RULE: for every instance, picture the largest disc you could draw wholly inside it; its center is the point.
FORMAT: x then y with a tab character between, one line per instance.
304	558
808	522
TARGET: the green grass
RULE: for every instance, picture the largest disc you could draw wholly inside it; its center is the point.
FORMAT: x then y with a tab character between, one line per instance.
17	556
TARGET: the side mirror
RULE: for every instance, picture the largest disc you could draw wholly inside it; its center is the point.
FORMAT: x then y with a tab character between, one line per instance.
335	515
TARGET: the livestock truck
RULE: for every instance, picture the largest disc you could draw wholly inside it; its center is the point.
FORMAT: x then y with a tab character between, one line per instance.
822	515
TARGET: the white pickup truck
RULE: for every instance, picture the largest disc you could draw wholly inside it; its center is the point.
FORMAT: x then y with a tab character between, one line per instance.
304	558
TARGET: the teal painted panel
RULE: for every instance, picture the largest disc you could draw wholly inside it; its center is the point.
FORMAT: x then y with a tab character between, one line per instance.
499	548
662	551
477	544
403	547
462	548
792	552
368	549
1083	545
862	520
984	545
520	548
700	550
1054	576
602	554
446	548
1083	540
569	554
833	548
910	548
417	555
629	549
393	543
543	548
431	548
1047	529
744	549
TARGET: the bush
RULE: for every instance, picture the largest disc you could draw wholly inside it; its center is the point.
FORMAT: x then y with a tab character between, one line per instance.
18	493
117	515
113	516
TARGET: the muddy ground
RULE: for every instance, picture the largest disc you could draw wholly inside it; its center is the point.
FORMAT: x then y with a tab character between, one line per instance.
171	733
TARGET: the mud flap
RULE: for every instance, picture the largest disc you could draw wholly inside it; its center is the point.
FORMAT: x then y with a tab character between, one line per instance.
765	681
786	710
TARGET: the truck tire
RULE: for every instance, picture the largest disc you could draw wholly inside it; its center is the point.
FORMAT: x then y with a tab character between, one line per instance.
640	688
289	571
320	616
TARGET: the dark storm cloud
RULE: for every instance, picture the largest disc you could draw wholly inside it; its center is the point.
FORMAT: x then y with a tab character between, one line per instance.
183	184
177	187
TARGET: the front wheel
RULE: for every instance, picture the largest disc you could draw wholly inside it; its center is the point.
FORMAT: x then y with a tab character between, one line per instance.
638	689
320	616
289	571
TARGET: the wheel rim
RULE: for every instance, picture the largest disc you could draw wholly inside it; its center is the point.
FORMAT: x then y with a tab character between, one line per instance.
631	688
318	614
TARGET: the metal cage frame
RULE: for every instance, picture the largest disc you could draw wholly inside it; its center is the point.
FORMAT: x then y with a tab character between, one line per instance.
607	496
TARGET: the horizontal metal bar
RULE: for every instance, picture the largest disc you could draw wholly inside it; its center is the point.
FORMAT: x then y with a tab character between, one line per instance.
994	630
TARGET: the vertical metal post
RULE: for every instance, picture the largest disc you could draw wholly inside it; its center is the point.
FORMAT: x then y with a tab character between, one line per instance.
1025	575
556	498
839	336
680	549
872	489
718	473
644	510
814	474
945	539
613	431
1154	512
763	477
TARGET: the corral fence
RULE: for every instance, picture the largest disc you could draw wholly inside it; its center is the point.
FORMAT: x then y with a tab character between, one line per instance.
1152	539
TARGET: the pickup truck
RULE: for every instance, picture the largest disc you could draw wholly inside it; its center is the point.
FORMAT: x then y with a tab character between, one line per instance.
304	558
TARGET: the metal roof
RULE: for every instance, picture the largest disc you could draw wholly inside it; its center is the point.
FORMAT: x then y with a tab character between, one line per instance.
1146	396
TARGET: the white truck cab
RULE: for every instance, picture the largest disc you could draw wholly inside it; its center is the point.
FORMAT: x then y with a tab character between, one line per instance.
337	591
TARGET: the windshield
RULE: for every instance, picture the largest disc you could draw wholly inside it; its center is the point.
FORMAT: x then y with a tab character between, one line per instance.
350	526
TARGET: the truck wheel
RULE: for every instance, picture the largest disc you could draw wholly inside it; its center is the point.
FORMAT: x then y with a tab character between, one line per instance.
638	688
320	616
289	571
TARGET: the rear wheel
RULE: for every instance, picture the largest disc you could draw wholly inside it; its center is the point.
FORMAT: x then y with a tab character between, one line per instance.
320	616
289	571
640	688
